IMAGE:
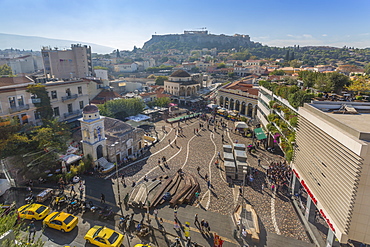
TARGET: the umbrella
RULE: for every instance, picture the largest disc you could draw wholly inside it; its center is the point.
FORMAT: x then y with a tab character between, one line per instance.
212	106
241	125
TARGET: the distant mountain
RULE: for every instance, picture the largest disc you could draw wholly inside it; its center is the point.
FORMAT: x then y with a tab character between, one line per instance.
35	43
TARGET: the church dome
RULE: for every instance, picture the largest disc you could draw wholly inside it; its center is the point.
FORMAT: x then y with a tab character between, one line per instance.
180	73
89	109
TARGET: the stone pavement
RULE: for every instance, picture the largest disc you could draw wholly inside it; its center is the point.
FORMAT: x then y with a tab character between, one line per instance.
275	211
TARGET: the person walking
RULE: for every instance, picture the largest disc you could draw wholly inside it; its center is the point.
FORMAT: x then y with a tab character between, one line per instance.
81	189
73	189
102	198
198	169
206	226
159	161
196	221
202	225
175	142
155	212
32	231
197	197
169	142
209	184
175	211
176	225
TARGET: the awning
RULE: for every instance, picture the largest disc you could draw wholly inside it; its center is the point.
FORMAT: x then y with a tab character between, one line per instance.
70	158
260	134
241	125
149	138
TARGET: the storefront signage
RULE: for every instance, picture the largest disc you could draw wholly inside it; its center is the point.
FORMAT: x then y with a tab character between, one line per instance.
309	192
327	220
296	173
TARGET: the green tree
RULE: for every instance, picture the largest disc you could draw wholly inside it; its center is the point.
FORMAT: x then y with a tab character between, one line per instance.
337	81
5	70
100	67
359	85
277	72
221	65
162	102
287	57
10	227
367	69
160	80
44	106
231	74
121	108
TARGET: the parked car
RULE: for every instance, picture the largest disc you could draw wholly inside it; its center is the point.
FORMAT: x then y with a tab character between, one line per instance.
61	221
33	211
104	237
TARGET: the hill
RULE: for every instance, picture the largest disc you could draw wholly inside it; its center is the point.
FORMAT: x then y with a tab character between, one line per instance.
35	43
192	40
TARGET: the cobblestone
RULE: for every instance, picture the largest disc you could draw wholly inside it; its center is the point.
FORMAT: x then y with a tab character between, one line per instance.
202	152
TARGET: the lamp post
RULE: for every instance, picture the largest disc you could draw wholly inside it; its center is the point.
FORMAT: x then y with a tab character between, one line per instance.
119	193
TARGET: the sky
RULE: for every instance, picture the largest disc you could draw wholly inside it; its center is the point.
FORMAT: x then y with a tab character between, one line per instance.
124	24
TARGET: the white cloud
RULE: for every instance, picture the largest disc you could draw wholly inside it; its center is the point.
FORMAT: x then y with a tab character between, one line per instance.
324	35
308	36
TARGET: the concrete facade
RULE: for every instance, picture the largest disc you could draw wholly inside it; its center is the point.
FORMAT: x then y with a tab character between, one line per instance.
331	161
67	64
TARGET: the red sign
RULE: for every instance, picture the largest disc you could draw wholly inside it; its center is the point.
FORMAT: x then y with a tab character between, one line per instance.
296	173
327	220
309	192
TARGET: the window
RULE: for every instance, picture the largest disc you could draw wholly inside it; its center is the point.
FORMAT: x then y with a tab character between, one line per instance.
56	111
70	109
54	94
12	102
68	92
20	100
37	115
79	89
81	104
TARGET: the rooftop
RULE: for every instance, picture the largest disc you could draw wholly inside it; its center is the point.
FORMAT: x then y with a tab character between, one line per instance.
347	120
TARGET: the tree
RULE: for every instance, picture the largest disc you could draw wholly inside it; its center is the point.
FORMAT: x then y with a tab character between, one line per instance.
195	70
231	74
100	67
44	106
162	102
367	69
221	65
15	236
160	80
152	76
287	57
5	70
337	81
359	85
121	108
277	72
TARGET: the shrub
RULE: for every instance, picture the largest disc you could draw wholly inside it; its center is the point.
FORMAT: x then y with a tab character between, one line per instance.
359	97
294	121
320	95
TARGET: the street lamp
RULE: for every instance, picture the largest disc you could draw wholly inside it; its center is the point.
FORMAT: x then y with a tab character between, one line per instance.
119	193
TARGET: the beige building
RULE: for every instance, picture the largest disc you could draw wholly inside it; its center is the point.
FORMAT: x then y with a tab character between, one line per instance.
241	96
68	98
181	85
67	64
332	163
15	102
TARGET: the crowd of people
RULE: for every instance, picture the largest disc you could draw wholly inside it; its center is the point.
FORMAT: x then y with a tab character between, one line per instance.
278	175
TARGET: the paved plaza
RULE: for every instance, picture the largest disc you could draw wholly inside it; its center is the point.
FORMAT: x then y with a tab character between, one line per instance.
191	150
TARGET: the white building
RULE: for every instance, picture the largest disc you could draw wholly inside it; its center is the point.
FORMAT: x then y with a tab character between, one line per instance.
101	73
332	163
126	67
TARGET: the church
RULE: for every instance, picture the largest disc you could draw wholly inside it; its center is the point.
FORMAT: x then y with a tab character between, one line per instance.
181	86
108	140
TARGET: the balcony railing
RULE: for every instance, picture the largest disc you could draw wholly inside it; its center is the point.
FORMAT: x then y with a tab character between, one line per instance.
72	114
69	97
19	108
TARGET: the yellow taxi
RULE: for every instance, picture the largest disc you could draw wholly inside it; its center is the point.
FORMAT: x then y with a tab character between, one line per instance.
61	221
33	211
103	237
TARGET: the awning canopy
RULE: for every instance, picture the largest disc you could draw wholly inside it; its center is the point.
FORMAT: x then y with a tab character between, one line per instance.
241	125
70	158
260	134
149	138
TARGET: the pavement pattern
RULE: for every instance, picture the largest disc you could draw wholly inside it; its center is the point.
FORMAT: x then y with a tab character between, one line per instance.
189	150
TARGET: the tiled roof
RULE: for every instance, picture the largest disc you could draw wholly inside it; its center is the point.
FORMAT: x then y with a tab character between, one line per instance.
105	96
8	81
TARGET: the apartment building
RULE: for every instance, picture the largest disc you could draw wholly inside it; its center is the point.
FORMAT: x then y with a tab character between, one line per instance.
68	98
67	64
331	162
15	102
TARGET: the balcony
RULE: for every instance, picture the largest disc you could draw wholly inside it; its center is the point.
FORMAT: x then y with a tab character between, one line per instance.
69	97
19	108
72	114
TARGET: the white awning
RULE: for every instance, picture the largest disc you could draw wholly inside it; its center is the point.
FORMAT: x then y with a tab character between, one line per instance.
70	158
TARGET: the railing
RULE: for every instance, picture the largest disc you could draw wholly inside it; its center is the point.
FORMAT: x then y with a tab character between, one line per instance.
73	96
19	108
71	114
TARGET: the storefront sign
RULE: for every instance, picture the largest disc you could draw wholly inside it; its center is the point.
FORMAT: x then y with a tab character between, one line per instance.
296	173
327	220
309	192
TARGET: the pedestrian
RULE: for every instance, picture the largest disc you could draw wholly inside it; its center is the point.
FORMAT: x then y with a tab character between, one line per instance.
209	184
73	189
176	225
32	231
206	176
175	142
169	141
272	187
102	198
259	161
197	197
159	161
81	189
175	211
206	226
198	169
196	221
202	225
240	191
155	212
263	186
